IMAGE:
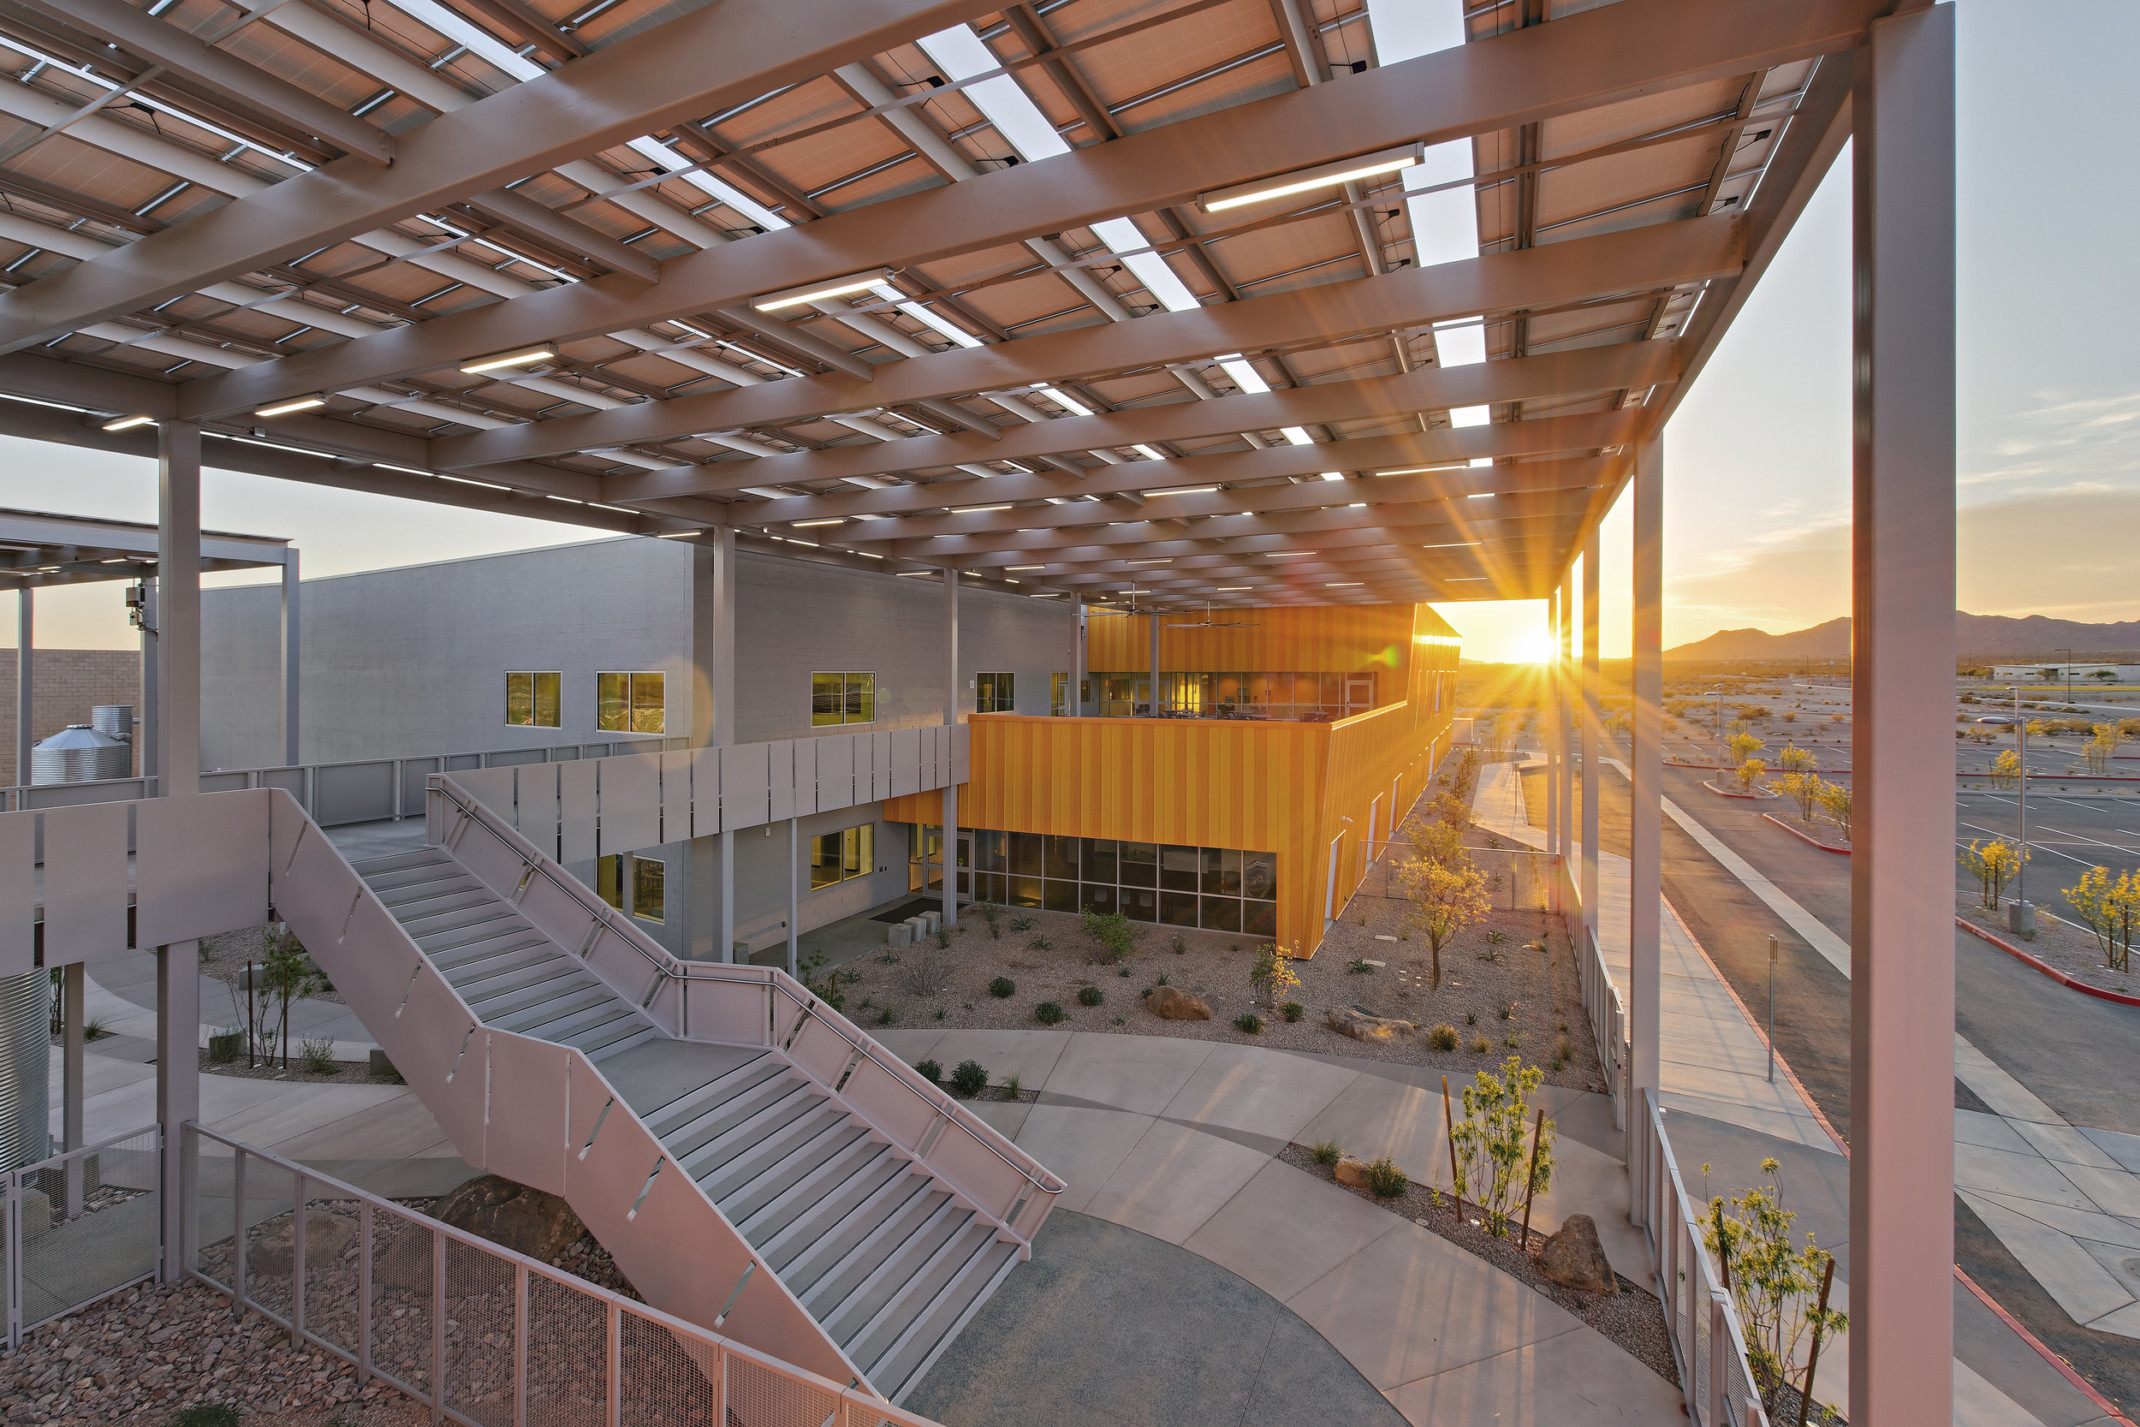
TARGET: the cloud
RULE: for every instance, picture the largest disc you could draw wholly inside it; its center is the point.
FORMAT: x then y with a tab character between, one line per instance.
2065	553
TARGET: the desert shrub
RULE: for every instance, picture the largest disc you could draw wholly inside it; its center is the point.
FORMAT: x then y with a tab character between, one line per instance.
826	989
1774	1282
1040	943
924	973
1492	1139
1090	995
1361	966
969	1079
1480	1045
1115	933
930	1070
1021	924
1442	1038
1048	1013
1249	1023
318	1056
989	913
1328	1153
1003	988
1292	1011
887	1016
1179	945
1272	976
1123	972
1014	1085
1385	1180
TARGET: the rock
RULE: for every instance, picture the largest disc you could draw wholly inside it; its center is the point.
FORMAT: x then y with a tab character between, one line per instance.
1354	1022
327	1238
512	1215
1352	1171
1574	1257
1171	1003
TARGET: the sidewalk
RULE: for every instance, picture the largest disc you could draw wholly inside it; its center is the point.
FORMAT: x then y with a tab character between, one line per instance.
1728	1116
1176	1138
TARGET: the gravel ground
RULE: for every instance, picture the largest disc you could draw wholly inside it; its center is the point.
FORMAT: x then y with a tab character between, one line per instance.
1632	1318
226	954
2069	948
927	986
345	1072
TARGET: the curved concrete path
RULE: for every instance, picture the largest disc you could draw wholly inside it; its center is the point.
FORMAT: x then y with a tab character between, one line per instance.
1176	1139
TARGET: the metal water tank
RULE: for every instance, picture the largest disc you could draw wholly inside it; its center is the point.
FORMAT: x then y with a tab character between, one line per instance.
79	754
113	720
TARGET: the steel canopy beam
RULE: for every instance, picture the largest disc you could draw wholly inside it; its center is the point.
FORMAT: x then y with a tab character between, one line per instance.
229	79
1598	57
1635	260
698	62
1587	369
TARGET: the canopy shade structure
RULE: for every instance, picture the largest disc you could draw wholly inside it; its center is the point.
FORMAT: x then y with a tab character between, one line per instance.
39	549
951	277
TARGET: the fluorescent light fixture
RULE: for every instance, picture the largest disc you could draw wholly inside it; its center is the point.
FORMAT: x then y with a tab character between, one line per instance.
678	534
1453	545
811	292
1342	584
1288	554
284	408
1307	180
1460	344
976	509
827	520
1466	579
1049	595
1025	567
915	574
527	358
1463	416
1163	560
1148	453
1233	589
1068	403
128	423
1185	490
1480	495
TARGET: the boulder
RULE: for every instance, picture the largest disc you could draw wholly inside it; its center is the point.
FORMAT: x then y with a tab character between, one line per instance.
1575	1258
511	1215
327	1238
1352	1172
1171	1003
1354	1022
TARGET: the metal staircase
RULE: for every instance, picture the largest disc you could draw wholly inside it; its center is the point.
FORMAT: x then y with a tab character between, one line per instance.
876	1214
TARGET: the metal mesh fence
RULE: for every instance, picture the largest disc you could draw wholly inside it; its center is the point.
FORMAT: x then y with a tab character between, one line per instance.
665	1382
86	1224
568	1355
482	1334
401	1317
516	1342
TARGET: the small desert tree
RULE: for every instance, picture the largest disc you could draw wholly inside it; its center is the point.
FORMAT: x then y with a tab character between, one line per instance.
1802	789
1750	774
2109	909
287	974
1794	759
1835	802
1272	976
1492	1143
1774	1283
1993	864
1744	745
2100	749
2006	769
1445	898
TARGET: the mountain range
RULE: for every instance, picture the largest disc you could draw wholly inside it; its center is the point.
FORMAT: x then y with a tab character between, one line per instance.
1976	635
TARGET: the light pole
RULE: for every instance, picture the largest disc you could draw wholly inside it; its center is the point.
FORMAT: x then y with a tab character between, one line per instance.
2021	917
1719	692
2069	674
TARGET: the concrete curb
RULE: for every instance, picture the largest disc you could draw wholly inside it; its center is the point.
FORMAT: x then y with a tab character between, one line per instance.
1727	793
1807	836
2045	967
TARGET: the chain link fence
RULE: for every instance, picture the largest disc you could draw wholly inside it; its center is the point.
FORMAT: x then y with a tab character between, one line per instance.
480	1335
80	1226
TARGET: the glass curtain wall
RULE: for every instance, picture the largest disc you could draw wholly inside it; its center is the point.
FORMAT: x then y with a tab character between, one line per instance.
1217	888
1287	697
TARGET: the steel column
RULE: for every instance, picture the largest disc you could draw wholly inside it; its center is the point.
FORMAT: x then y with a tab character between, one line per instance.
178	1093
794	888
151	679
73	983
1564	710
290	658
1646	811
1549	719
952	692
25	683
1902	679
1590	736
1074	699
713	725
178	612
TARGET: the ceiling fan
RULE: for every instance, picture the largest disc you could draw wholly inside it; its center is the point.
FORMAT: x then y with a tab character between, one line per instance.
1209	623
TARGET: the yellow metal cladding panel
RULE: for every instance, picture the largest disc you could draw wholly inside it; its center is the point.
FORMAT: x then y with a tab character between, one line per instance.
1335	639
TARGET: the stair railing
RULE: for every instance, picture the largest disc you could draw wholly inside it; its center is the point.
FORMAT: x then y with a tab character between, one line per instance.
729	1004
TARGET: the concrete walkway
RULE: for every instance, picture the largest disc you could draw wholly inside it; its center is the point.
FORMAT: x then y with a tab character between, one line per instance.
1176	1138
2041	1170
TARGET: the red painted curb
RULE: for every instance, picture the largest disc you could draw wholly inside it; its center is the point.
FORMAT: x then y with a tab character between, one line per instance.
2064	1368
1807	836
2045	967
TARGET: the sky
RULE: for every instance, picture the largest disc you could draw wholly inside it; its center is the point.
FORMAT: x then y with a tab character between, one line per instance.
1757	458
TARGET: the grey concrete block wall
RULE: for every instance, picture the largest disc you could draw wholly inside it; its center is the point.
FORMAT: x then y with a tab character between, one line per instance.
412	661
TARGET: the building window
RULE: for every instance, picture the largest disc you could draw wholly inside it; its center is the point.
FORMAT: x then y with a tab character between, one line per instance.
843	698
534	700
838	856
995	693
609	879
649	878
1058	695
1217	888
631	703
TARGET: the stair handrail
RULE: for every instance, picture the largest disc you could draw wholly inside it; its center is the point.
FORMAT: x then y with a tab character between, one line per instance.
1043	1184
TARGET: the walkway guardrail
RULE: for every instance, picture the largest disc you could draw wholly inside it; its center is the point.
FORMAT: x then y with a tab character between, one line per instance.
1706	1338
750	1005
1608	1024
80	1226
479	1334
332	794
